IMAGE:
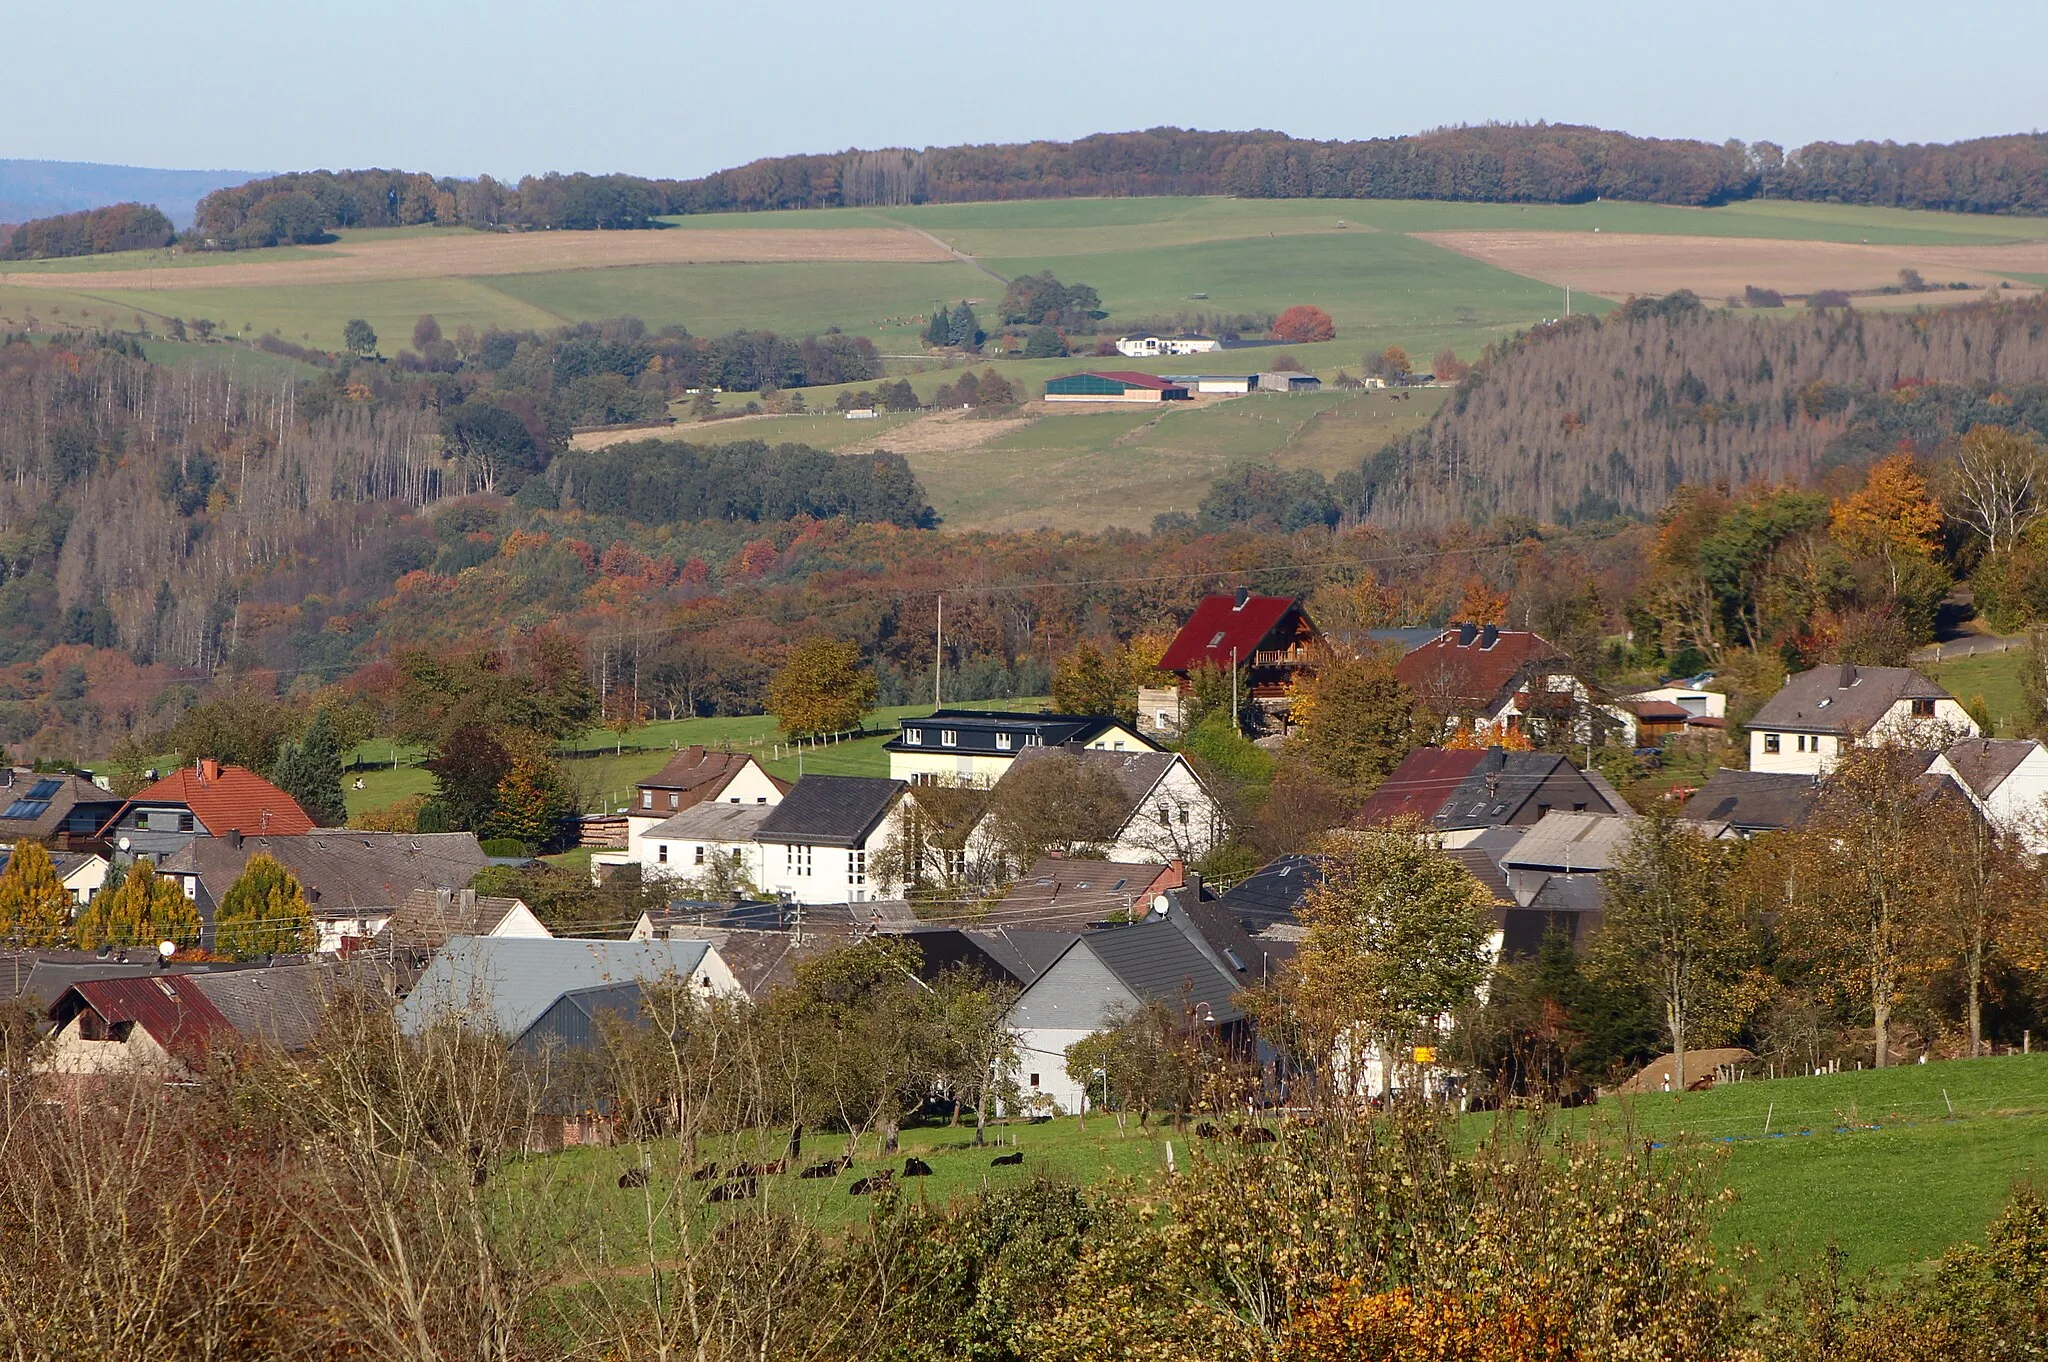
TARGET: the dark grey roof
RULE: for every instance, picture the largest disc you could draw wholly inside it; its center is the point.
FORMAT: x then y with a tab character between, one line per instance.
572	1022
1753	801
509	981
429	918
280	1006
1025	953
35	805
1271	895
1484	868
1246	958
1843	698
831	811
1984	763
1155	960
345	872
975	731
1499	786
1574	893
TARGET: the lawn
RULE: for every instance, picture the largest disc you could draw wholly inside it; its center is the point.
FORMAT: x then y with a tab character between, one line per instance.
1995	677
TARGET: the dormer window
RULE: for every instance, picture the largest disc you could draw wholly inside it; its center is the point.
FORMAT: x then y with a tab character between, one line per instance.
913	737
1003	741
949	737
647	799
1034	740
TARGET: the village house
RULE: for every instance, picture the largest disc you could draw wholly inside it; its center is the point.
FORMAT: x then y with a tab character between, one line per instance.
697	775
178	1024
1269	640
80	872
62	810
509	983
1149	346
2007	779
817	844
1078	891
1166	812
205	799
975	746
1745	803
1458	793
353	880
1818	715
1502	680
707	841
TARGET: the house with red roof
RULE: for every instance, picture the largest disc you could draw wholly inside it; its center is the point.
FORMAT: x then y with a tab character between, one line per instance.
1507	680
1268	640
205	799
1458	793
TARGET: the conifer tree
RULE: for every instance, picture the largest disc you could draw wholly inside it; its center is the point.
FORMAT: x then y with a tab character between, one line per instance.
938	332
309	770
35	908
143	911
263	913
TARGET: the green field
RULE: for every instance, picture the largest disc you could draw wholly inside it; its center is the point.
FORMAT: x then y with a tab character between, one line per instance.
1994	676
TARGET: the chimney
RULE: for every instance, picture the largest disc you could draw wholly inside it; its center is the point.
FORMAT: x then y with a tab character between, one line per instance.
1489	636
1848	675
209	770
1466	633
469	903
444	900
1244	593
1191	887
235	838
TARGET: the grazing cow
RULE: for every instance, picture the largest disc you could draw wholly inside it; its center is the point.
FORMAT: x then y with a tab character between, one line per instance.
830	1168
739	1189
706	1173
873	1182
1208	1131
1007	1160
633	1177
914	1167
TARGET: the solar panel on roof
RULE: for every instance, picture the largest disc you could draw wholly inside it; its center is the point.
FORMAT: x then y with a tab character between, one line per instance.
26	808
44	789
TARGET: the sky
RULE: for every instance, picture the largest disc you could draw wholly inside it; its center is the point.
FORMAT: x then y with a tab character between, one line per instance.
458	87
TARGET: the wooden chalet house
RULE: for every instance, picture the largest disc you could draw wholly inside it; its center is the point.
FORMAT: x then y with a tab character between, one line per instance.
1268	640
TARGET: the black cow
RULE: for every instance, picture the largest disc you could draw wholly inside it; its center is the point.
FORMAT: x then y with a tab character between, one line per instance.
739	1189
830	1168
1007	1160
873	1182
633	1177
706	1173
914	1167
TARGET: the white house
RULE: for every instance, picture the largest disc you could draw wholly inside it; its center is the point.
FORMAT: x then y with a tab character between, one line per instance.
1148	346
1819	714
1168	814
709	838
976	746
2007	779
816	845
697	775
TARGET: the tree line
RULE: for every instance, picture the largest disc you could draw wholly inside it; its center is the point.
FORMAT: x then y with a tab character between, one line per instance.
95	231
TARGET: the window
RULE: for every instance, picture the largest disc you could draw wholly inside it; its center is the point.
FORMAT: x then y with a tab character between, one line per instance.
675	800
856	869
1165	812
142	821
1216	640
913	737
661	854
798	859
700	855
1034	1080
1183	815
647	799
1034	740
1117	745
1003	741
184	822
1771	743
1923	709
949	737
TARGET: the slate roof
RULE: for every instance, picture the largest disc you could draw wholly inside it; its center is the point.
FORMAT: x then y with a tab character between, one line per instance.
345	872
712	822
429	918
763	961
39	978
511	981
281	1006
1753	801
1985	763
1843	699
1569	842
1219	624
1076	891
1485	869
1025	952
1463	668
1155	960
1420	786
35	805
1494	786
1243	956
228	799
1269	897
831	811
977	730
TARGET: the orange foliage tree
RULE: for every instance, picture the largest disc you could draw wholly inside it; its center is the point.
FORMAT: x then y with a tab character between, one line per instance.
1356	1325
1304	325
1481	604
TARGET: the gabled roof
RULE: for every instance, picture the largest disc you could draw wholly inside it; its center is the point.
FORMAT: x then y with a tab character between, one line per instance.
1155	960
1420	786
1843	699
1491	787
977	728
280	1007
429	918
34	804
1221	624
834	811
1570	841
1465	667
712	822
1137	774
701	771
1134	379
1026	953
1076	891
587	1005
345	872
228	799
1753	801
1484	868
1984	764
1270	897
509	981
170	1007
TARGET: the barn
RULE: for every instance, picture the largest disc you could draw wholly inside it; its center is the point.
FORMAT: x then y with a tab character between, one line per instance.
1114	386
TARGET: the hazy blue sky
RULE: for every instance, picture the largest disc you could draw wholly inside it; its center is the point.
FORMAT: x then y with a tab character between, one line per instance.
461	86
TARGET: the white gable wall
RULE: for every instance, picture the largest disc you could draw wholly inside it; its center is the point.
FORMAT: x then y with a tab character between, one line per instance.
1812	754
1177	819
2018	805
1071	1001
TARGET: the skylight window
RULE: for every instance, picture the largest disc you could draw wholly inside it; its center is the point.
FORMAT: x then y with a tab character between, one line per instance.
1216	640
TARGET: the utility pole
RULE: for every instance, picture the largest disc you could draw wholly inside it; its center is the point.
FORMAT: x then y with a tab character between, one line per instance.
939	653
1233	694
1567	300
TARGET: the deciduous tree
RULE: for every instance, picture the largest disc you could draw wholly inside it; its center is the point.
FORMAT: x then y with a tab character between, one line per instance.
359	338
1354	719
822	688
1303	324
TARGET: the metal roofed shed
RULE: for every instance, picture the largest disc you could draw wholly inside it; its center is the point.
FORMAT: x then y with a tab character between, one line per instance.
1288	382
508	982
1114	385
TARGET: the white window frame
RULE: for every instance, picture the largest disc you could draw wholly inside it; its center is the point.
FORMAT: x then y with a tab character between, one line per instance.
913	737
647	799
661	853
856	868
1003	742
949	737
700	854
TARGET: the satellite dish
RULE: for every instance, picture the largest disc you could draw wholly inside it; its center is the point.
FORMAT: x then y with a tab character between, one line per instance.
124	844
167	949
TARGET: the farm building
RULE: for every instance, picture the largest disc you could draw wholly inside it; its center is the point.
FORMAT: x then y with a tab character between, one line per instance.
1289	383
1114	386
1226	384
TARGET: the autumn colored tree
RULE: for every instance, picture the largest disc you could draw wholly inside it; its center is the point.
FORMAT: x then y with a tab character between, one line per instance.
1304	325
531	802
1481	604
1892	518
145	909
35	907
1354	721
1395	363
1449	368
822	688
264	913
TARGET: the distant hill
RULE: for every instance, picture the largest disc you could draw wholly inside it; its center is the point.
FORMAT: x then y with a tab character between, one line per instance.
40	189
